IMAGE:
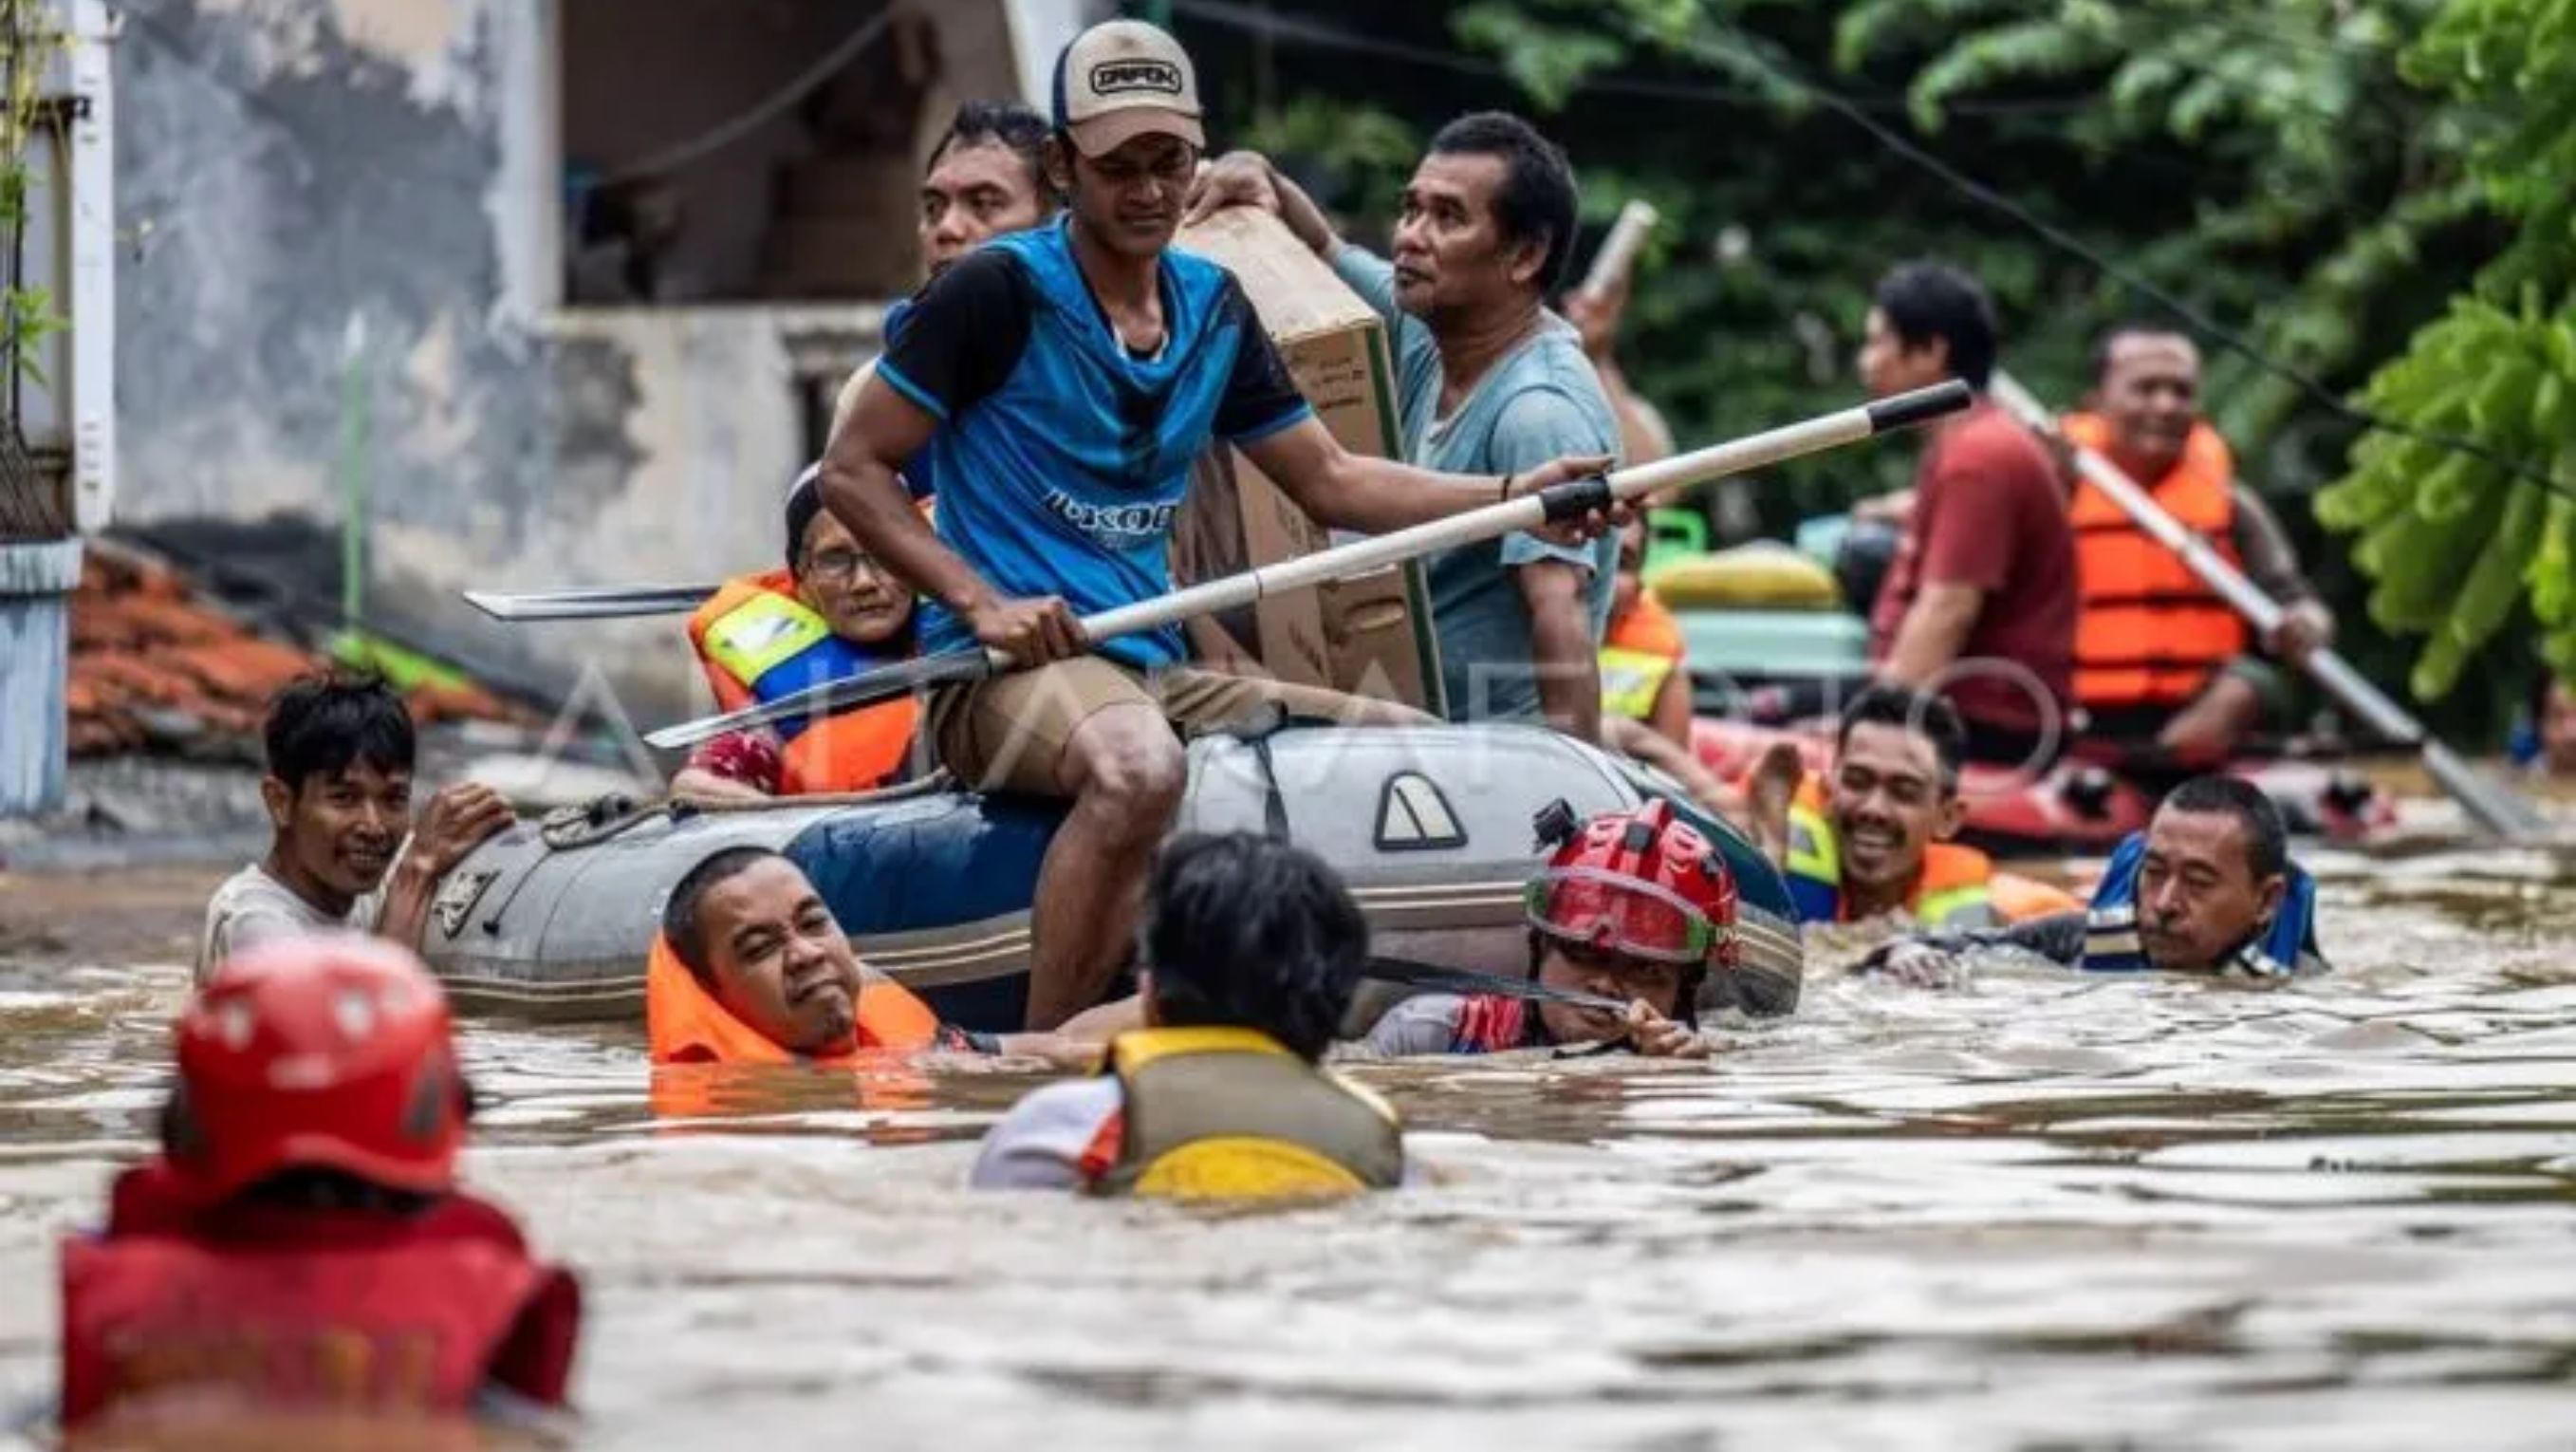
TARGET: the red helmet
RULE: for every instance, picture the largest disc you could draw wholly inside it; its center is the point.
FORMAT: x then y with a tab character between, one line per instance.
1643	884
329	1052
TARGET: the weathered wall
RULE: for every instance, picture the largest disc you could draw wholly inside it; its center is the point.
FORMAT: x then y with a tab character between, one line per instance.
304	183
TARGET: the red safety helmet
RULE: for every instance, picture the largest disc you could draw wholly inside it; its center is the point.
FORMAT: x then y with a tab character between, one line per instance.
1642	884
328	1052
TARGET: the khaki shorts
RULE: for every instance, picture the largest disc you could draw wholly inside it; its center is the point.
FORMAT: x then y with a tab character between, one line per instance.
1010	733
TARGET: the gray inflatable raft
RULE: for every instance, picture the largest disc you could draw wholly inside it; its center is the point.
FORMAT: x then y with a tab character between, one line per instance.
1432	827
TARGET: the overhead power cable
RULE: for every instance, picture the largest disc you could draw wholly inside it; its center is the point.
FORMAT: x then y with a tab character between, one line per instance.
1857	110
761	112
2236	342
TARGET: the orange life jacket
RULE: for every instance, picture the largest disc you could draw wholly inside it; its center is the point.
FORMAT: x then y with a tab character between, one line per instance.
1641	651
757	642
2148	632
684	1023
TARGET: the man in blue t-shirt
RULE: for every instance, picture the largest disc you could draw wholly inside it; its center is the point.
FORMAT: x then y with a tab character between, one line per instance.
1059	382
1488	381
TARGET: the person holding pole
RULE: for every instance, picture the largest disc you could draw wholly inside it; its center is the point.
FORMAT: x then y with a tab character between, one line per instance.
1488	381
1062	380
1596	310
2161	662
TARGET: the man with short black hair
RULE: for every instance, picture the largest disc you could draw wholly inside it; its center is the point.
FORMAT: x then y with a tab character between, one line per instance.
1252	951
1873	838
2208	887
2161	662
1488	381
751	967
987	176
1061	382
1979	603
338	791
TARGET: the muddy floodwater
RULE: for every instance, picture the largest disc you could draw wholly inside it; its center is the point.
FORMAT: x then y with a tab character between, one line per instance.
2043	1212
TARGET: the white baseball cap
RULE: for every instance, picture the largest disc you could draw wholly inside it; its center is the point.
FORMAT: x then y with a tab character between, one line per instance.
1123	79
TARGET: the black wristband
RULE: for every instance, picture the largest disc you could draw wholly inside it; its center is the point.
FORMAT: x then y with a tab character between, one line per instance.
1504	494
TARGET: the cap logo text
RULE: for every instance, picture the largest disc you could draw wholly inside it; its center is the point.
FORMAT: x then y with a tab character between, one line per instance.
1110	78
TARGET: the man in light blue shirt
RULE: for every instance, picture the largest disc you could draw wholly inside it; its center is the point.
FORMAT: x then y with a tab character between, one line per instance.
1488	381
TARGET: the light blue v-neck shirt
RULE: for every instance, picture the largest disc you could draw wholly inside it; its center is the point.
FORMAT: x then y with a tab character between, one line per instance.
1541	402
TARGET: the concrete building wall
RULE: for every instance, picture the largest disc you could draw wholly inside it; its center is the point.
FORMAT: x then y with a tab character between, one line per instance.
346	214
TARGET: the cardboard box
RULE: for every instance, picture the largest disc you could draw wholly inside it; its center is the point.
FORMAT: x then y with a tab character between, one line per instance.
1370	635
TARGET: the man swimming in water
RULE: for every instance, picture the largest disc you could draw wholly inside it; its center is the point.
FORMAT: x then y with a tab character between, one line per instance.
344	851
751	967
2208	888
1252	949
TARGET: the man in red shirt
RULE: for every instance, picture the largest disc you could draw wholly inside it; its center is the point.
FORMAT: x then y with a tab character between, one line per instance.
1979	604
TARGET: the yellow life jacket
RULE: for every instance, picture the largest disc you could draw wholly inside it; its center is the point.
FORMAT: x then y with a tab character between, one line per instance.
1231	1114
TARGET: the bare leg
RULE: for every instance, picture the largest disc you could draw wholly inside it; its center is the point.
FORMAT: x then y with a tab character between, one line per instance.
1759	807
1125	772
1769	789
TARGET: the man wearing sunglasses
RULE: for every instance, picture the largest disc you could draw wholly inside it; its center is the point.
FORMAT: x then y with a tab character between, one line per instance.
1635	906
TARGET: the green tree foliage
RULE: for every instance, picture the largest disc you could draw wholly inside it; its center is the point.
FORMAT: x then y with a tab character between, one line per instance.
2281	168
2454	538
28	42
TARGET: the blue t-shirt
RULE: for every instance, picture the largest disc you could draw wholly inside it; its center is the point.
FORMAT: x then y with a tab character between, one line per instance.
1061	456
1541	402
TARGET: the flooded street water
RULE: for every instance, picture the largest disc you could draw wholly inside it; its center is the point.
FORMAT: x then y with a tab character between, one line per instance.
2046	1211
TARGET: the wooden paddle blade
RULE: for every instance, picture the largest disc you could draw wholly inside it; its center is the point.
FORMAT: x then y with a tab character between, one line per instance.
901	679
589	602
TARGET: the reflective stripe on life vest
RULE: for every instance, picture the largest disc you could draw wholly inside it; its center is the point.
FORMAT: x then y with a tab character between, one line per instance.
1641	651
1228	1113
309	1309
757	642
684	1023
2148	631
1951	891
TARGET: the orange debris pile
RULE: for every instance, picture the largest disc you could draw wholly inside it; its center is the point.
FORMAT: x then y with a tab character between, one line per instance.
150	665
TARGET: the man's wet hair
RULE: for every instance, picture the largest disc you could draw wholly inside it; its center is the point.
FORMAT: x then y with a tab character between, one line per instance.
1006	124
681	926
323	724
2267	839
2132	328
1536	200
1928	300
1244	931
1919	713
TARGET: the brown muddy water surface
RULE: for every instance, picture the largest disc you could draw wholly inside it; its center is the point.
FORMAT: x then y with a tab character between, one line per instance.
2043	1212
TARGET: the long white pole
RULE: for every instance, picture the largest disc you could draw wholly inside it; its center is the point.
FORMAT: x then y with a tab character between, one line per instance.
1571	500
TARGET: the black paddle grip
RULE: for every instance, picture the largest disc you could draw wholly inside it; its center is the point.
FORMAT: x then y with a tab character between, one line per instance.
1575	498
1922	405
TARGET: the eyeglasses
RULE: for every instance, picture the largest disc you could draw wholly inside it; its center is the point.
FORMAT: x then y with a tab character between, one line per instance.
842	565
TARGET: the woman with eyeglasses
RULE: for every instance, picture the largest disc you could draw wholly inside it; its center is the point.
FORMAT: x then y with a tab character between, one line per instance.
831	613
